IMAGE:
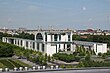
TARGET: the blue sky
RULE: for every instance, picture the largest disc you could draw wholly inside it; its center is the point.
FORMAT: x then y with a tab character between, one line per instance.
60	14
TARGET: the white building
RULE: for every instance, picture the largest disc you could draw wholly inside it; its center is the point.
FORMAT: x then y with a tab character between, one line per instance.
54	41
97	47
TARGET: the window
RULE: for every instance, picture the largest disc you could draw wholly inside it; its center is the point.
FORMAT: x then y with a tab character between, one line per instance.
64	46
21	42
45	36
33	45
68	47
59	37
26	43
18	42
12	41
38	46
59	45
56	48
43	47
68	37
96	47
51	38
39	36
55	37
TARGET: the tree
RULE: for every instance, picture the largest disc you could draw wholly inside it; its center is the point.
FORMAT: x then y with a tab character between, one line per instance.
49	58
6	52
80	64
87	58
99	54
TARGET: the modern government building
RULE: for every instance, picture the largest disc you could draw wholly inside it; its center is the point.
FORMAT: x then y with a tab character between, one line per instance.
54	41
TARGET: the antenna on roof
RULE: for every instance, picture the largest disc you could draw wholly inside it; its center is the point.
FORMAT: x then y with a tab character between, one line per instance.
51	27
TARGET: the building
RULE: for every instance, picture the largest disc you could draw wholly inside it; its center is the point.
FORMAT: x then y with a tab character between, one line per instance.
54	41
97	47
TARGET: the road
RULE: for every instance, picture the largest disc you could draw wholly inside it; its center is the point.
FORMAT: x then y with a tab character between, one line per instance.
79	71
100	70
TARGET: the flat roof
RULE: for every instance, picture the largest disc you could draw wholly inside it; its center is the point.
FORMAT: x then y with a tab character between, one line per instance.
87	43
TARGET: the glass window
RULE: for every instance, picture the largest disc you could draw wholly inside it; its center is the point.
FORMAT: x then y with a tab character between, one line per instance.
39	36
59	37
43	47
33	45
45	37
18	42
55	37
21	42
68	37
26	43
51	38
38	46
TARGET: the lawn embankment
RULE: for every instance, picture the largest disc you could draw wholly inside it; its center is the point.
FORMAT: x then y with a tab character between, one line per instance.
10	63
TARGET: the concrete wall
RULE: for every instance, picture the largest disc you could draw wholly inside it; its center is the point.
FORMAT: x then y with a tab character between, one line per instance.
50	49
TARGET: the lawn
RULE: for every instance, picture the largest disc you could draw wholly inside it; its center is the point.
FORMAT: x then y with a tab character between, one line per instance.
10	63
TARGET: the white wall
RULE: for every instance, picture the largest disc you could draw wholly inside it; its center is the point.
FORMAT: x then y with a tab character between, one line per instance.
99	48
50	49
104	49
49	38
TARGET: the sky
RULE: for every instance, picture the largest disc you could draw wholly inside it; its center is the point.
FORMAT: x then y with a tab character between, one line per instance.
57	14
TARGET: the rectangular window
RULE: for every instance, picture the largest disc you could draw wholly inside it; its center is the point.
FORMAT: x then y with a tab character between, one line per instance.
55	37
68	37
33	45
45	37
64	46
51	37
21	42
38	46
59	45
12	41
68	47
18	42
56	48
26	43
96	47
43	47
59	37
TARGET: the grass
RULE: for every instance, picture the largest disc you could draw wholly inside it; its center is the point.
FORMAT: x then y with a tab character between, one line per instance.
7	63
10	63
21	63
15	63
2	66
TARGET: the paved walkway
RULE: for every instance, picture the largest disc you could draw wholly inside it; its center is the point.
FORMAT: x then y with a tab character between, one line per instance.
28	62
25	61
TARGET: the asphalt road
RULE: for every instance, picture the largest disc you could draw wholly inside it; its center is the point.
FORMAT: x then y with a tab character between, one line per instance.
78	71
81	70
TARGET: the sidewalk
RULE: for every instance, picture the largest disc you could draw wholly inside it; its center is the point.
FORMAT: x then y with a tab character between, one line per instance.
28	62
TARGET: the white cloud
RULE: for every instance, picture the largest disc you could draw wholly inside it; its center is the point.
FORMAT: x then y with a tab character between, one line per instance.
84	8
90	19
10	20
33	8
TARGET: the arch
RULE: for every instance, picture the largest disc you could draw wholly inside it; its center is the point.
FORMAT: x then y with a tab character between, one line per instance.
39	36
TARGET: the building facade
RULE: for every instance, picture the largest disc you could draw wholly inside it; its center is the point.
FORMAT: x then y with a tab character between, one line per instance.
51	42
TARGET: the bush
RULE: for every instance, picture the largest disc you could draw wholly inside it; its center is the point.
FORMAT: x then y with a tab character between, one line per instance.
5	51
66	57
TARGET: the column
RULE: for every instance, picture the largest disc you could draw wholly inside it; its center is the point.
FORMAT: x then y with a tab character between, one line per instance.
14	41
35	46
19	42
40	47
71	47
29	45
65	47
